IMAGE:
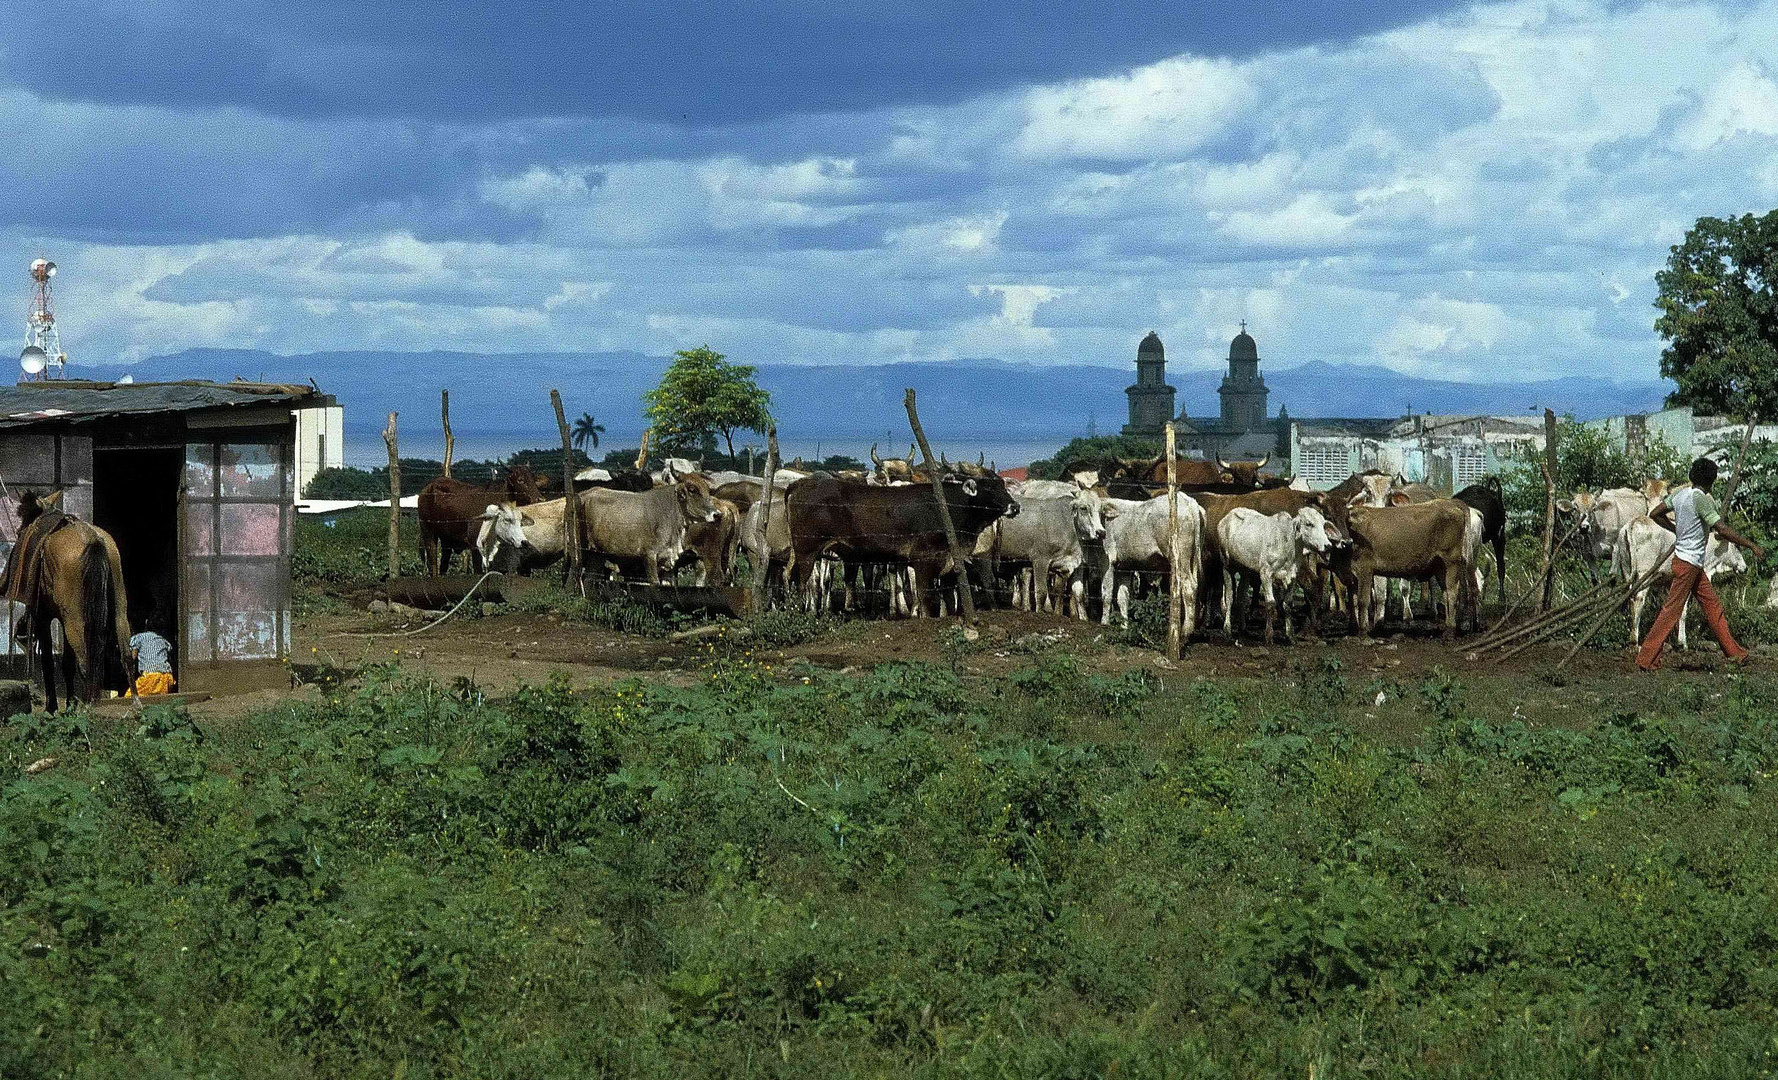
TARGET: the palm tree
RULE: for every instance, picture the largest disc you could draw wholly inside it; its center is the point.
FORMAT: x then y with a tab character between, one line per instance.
586	431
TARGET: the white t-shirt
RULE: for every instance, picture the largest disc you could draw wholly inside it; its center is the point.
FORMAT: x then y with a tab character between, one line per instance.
1694	512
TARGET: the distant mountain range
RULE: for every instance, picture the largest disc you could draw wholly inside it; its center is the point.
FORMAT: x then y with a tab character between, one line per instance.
506	396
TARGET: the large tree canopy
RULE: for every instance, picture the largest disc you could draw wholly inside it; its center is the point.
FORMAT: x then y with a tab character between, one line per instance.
702	394
1719	314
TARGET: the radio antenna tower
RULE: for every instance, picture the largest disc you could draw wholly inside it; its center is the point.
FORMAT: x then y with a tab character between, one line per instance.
43	357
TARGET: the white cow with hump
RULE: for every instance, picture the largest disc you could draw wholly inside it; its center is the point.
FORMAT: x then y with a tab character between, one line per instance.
1272	546
1641	544
1138	537
1048	533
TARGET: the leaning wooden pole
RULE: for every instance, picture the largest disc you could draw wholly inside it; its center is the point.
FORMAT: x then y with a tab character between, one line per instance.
570	504
642	454
444	409
1175	579
965	602
394	499
1547	574
1728	495
762	546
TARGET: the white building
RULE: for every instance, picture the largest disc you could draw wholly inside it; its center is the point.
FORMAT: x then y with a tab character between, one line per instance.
320	443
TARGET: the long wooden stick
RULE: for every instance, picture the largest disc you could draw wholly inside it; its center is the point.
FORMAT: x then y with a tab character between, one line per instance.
642	454
1175	579
762	547
1728	496
394	499
1531	588
1549	508
570	504
1495	639
450	442
1642	582
965	602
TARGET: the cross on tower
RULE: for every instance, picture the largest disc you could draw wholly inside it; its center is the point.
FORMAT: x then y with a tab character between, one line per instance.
1243	326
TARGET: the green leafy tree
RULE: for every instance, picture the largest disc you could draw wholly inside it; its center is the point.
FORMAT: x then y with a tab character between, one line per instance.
703	395
1587	459
1095	446
1719	314
586	430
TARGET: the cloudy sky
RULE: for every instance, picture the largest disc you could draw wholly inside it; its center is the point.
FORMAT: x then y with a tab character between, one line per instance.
1477	192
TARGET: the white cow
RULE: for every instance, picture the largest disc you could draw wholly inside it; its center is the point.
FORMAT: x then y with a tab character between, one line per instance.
1271	546
646	528
1137	537
1603	516
1048	533
1641	543
1044	489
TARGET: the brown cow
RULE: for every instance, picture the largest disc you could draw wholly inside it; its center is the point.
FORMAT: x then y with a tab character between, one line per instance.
714	543
451	513
1217	476
1417	541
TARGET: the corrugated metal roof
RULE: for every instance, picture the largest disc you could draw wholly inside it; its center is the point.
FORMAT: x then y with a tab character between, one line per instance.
41	402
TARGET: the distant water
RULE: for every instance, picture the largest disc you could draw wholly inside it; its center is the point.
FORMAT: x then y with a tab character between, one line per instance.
366	450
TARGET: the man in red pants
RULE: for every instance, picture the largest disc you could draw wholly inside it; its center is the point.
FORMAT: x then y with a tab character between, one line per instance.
1692	515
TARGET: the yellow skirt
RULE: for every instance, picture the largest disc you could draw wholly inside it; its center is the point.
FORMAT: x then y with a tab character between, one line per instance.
154	682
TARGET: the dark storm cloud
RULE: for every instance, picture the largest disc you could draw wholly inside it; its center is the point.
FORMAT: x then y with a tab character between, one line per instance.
683	64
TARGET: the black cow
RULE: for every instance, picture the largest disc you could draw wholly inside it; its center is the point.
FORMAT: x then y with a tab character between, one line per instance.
1484	498
866	523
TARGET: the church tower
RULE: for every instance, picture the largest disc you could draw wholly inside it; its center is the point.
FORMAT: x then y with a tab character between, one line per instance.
1243	389
1151	399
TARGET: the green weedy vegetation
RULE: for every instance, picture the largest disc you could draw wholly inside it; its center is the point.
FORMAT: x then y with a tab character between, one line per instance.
901	873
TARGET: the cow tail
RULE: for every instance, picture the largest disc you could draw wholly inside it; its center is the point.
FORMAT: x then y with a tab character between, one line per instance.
95	612
1620	555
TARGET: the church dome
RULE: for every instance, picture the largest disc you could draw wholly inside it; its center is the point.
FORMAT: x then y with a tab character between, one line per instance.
1243	348
1151	346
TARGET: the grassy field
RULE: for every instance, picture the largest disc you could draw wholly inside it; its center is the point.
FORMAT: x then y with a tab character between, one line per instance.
790	872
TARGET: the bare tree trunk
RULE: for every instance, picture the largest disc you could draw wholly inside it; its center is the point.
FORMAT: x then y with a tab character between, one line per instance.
762	546
1549	509
450	443
1728	495
394	499
570	504
966	602
1175	583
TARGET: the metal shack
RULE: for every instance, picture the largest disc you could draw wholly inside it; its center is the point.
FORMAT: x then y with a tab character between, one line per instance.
195	481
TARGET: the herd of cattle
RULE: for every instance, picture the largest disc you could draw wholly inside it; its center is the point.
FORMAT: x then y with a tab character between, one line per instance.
1078	545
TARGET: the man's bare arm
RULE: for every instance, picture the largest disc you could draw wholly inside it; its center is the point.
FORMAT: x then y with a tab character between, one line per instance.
1723	530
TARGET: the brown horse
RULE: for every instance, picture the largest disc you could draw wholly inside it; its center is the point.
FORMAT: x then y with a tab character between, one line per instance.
451	510
63	568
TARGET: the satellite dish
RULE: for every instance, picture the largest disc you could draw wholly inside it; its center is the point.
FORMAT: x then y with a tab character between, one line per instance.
33	360
126	380
50	270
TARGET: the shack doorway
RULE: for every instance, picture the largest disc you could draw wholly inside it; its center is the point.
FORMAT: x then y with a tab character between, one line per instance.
136	500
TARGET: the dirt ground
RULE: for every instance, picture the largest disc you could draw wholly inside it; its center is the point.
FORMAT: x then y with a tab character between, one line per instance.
501	651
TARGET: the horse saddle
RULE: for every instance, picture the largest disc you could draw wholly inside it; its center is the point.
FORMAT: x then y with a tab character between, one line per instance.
24	567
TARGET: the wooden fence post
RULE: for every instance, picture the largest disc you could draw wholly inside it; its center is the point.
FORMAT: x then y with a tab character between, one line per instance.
642	454
1175	583
762	548
394	499
450	444
570	504
1549	509
965	602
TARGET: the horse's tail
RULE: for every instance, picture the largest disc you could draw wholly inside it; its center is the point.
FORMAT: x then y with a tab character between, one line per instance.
95	612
